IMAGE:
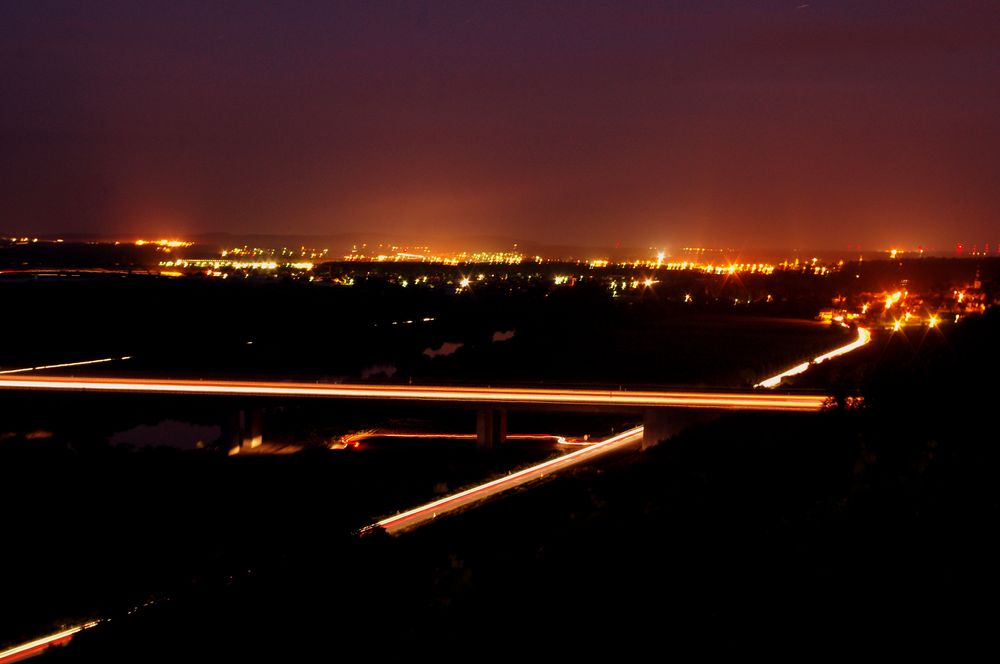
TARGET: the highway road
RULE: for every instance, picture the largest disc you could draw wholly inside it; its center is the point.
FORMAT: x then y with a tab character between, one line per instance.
424	514
475	395
428	512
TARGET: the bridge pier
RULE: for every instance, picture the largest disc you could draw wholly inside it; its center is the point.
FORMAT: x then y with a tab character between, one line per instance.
244	430
656	427
659	424
491	427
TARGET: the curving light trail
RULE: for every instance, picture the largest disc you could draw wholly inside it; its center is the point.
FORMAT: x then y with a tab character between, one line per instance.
864	336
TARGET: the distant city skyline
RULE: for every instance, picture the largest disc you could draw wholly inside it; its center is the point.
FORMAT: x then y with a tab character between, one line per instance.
358	246
820	125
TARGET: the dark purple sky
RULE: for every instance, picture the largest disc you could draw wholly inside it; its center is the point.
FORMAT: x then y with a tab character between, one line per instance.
808	123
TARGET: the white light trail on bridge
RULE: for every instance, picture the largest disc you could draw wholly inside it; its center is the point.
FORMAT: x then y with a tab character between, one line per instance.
474	395
425	513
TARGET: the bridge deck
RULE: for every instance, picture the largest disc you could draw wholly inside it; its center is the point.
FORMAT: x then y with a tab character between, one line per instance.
499	396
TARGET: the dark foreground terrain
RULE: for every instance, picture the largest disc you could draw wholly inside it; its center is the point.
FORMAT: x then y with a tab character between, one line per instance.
853	525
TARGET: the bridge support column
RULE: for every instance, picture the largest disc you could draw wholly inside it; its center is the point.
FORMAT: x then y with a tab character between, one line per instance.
656	427
244	430
659	424
491	427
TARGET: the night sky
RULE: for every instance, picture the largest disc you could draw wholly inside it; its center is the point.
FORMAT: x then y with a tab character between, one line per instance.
799	123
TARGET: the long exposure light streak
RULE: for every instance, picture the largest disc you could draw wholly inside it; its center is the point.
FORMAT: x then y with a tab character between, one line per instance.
37	646
864	336
425	513
66	364
774	381
474	395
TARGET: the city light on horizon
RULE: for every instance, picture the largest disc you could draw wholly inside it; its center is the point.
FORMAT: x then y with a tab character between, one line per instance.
658	140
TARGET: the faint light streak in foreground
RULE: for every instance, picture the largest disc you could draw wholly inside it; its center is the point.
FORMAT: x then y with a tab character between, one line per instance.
424	513
864	336
67	364
37	646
